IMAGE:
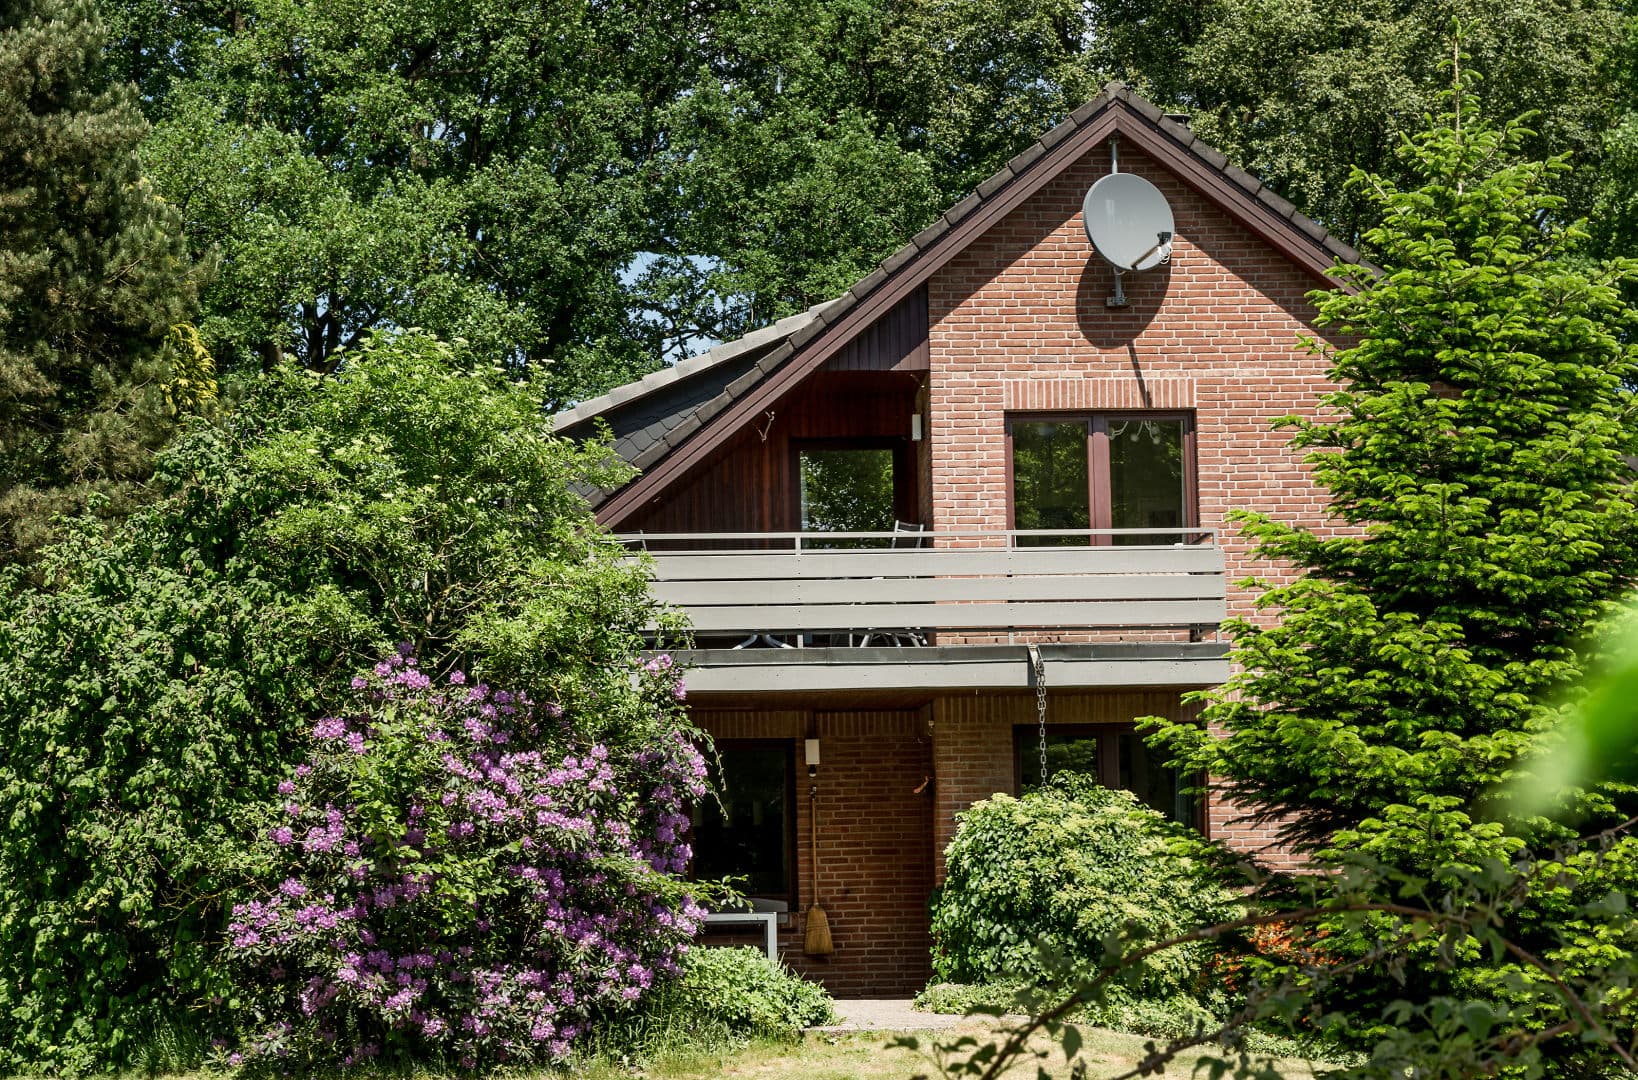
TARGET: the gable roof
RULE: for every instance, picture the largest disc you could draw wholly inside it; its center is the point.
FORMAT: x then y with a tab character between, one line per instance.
668	421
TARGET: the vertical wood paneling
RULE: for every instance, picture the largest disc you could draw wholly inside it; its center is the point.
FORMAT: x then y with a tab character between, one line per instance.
750	485
895	342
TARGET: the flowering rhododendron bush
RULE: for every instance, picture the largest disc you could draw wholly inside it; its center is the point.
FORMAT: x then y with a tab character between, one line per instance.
453	872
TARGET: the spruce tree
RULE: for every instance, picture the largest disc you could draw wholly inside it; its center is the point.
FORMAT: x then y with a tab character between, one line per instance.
94	279
1483	511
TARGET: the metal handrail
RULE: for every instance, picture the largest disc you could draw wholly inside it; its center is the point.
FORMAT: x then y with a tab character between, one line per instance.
895	540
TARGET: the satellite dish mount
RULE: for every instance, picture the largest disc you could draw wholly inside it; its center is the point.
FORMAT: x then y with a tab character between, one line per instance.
1128	222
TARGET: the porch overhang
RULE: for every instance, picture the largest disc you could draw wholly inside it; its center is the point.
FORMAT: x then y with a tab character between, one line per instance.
939	668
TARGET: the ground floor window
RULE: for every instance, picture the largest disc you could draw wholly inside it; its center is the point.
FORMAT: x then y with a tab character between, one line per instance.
1114	754
751	835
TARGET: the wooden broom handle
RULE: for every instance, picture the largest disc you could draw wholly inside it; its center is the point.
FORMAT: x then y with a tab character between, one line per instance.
813	837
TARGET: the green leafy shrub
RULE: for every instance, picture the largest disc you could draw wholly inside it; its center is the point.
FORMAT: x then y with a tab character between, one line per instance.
724	998
749	993
164	675
1035	885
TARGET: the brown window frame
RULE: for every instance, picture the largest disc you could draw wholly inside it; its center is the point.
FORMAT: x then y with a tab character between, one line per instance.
1100	500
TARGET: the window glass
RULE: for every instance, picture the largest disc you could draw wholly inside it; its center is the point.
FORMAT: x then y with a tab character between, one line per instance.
1143	772
846	490
1110	754
1146	489
1065	753
1049	479
748	836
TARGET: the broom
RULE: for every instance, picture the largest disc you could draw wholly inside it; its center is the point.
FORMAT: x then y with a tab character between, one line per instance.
816	939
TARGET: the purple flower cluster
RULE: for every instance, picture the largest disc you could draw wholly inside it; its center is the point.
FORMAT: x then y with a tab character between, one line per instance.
447	882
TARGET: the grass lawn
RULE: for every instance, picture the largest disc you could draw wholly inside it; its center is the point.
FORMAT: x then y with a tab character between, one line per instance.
864	1056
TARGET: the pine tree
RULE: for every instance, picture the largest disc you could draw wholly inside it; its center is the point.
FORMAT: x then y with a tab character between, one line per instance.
1474	456
94	279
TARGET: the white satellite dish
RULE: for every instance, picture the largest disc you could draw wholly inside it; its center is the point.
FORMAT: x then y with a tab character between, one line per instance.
1129	222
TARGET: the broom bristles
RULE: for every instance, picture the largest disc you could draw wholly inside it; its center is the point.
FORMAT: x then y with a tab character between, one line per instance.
816	940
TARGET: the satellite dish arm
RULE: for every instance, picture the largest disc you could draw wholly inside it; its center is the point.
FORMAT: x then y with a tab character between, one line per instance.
1163	245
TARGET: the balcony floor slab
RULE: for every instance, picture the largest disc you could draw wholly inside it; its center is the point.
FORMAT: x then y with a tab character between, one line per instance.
953	667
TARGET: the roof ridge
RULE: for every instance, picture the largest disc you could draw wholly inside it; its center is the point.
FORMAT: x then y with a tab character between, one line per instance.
1298	237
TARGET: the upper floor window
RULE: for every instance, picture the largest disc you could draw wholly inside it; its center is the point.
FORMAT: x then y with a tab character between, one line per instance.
851	486
1126	470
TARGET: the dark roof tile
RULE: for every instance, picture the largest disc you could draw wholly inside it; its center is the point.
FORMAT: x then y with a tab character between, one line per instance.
1183	133
869	282
736	369
1315	231
744	383
1095	106
1346	252
1057	134
1283	207
653	454
995	183
775	358
1250	183
805	334
691	423
1027	157
1143	106
928	236
892	263
962	208
1210	154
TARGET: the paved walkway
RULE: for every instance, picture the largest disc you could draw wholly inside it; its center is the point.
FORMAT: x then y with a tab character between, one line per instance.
888	1014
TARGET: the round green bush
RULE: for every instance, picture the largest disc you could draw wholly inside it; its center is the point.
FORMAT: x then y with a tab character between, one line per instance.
748	993
1046	878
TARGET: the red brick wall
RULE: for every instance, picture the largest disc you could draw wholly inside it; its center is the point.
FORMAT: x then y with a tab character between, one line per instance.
875	853
1019	323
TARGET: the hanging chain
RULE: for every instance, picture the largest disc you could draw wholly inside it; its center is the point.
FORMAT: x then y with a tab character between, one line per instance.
1039	668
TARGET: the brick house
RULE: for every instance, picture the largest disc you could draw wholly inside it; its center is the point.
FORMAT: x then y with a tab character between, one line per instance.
897	517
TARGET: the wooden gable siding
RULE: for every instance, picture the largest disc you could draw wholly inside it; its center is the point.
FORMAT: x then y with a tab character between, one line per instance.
750	485
895	342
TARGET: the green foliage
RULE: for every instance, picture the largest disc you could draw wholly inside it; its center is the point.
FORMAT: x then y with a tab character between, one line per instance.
1037	887
93	277
1476	455
747	992
162	675
1300	92
452	875
593	189
1476	446
1593	744
726	996
1476	450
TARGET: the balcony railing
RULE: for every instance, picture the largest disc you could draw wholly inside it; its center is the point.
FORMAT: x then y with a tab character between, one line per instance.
838	589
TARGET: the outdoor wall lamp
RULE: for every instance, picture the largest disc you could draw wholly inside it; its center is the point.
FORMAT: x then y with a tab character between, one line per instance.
810	751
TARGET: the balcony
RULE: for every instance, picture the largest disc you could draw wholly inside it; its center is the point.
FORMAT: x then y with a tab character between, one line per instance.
931	611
